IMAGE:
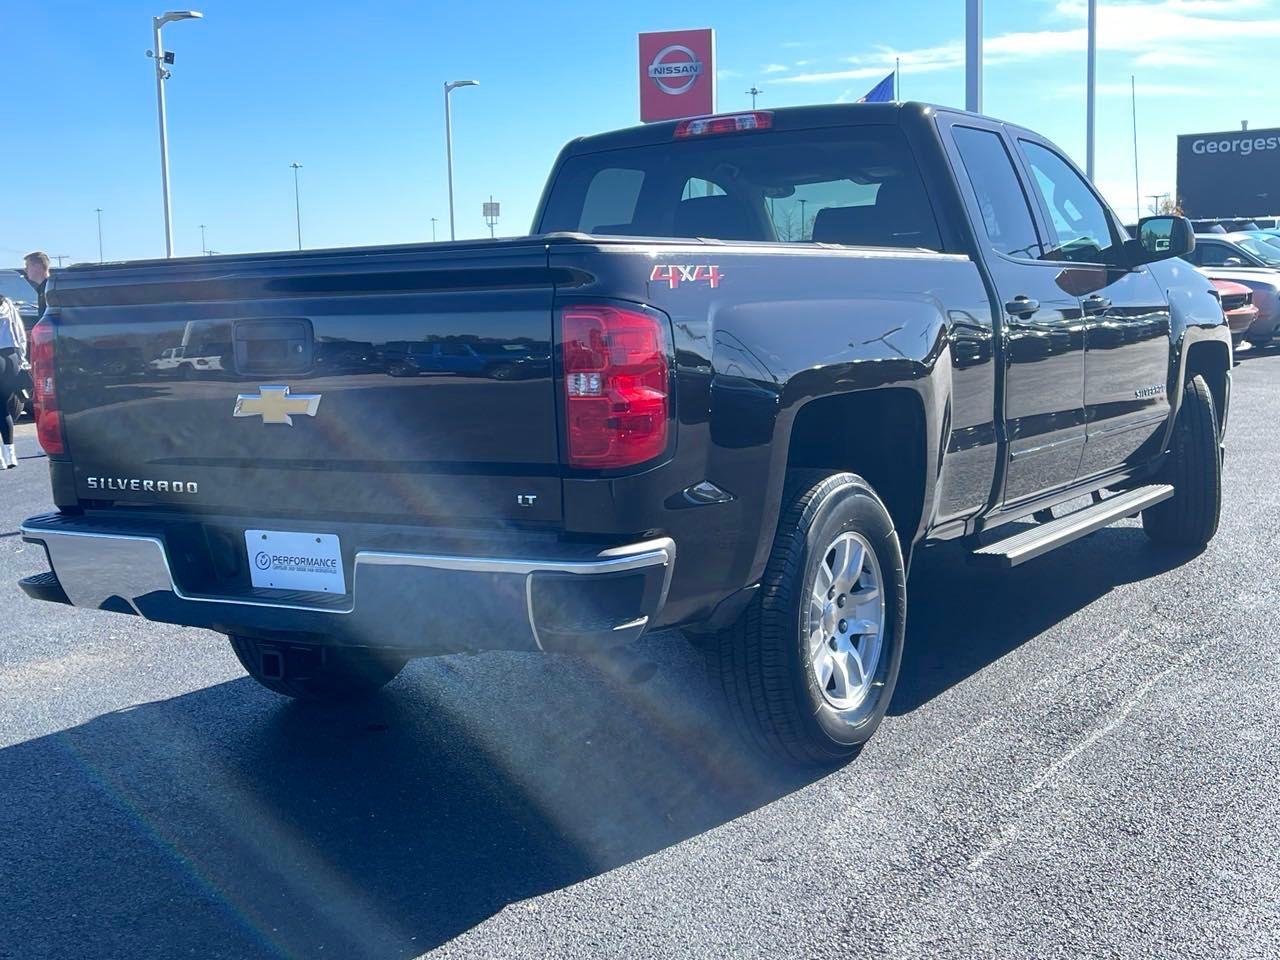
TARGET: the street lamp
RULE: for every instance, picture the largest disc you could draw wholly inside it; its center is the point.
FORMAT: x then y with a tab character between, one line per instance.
297	203
433	229
753	93
204	247
98	211
163	60
449	87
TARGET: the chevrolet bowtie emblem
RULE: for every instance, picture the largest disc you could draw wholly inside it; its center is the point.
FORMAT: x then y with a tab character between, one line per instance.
275	405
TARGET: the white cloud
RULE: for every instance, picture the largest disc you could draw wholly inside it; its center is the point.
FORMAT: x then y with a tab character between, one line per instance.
846	97
775	68
805	63
1164	33
727	74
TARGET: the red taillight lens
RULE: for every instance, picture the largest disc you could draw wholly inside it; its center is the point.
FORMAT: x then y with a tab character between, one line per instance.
48	416
617	388
728	123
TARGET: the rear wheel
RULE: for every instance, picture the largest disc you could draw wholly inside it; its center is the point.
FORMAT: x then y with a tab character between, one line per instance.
312	672
811	665
1189	519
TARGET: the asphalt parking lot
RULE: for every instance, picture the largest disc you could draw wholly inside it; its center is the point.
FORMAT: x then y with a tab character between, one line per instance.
1081	761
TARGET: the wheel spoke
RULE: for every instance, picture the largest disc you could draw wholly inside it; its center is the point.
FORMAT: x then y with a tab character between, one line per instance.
864	595
817	605
854	659
840	567
817	641
824	667
864	628
840	663
824	580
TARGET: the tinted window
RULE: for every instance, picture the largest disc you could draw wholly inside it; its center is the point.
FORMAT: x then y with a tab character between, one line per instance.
1210	254
1006	215
852	185
1081	224
610	200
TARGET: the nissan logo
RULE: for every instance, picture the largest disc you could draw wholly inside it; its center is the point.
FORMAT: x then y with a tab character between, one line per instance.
675	68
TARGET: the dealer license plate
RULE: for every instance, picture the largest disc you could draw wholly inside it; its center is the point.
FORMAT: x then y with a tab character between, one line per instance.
295	561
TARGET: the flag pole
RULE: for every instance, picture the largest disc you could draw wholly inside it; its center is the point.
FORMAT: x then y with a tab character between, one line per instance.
1137	192
897	69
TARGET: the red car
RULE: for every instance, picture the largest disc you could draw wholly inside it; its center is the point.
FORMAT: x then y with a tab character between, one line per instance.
1237	304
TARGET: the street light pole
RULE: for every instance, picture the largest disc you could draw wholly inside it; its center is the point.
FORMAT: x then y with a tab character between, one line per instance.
204	247
753	93
433	229
98	211
1091	85
297	202
449	87
973	56
162	74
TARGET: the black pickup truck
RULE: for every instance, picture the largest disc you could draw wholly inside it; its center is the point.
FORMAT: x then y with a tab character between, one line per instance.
752	363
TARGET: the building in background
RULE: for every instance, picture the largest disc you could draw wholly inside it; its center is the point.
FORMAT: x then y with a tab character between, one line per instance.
1231	175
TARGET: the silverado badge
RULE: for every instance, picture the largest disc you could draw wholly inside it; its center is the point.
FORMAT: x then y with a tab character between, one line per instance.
275	405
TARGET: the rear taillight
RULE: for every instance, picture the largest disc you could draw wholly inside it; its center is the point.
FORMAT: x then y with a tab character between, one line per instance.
725	123
617	387
45	401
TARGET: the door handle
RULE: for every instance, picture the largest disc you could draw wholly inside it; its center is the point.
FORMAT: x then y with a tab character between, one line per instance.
1096	304
1022	306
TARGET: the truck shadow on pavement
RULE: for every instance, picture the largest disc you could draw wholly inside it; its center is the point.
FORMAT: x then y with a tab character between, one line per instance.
961	617
227	823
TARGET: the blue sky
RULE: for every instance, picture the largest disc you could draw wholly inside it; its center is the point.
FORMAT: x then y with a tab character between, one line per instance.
353	92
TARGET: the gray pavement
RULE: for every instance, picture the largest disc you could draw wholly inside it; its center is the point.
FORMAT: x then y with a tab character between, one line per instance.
1081	761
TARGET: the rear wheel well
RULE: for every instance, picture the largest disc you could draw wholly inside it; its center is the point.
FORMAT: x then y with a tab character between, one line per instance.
1210	360
879	435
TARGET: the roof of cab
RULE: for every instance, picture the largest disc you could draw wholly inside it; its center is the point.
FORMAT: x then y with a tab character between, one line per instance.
784	118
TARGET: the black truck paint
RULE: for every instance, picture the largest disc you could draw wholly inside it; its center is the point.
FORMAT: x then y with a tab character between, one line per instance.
969	385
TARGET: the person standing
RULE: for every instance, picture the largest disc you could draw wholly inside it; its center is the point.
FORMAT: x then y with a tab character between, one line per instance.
13	364
37	273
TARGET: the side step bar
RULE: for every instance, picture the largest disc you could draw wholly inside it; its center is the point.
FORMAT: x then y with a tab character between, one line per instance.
1044	537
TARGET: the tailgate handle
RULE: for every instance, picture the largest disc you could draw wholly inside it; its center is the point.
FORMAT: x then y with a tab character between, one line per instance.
274	347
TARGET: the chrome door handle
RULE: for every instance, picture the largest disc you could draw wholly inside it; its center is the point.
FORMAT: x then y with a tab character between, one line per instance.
1096	304
1022	307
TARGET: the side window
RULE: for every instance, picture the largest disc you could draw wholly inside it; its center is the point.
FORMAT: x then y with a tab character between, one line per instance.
610	204
1211	254
1006	215
1080	221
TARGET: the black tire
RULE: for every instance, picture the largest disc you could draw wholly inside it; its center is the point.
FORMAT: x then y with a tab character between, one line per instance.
1189	519
763	662
310	672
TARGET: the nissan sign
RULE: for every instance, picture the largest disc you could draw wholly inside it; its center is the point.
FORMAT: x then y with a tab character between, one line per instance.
1232	175
677	74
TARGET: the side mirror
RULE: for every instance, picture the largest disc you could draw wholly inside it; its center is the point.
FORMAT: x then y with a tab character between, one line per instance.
1162	238
1233	262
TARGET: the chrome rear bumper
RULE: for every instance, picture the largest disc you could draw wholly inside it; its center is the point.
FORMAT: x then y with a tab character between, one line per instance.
581	598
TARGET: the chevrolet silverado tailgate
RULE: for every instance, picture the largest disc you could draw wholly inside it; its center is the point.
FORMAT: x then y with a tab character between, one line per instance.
410	384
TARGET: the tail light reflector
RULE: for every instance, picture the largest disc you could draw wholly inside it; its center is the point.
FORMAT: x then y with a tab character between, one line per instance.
617	386
45	400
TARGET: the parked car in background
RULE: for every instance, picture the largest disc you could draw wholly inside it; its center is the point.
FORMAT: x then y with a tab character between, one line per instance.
184	362
1219	257
1237	304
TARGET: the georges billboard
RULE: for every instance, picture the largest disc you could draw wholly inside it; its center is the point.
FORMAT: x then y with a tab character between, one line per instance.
677	74
1231	175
